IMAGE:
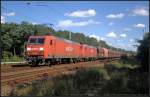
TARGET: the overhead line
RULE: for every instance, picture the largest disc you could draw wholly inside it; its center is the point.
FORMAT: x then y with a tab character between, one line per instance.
42	5
19	13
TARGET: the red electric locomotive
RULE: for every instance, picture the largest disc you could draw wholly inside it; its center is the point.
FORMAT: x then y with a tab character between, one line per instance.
51	50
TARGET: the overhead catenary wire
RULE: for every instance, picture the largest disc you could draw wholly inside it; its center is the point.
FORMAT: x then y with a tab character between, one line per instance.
41	5
25	16
48	7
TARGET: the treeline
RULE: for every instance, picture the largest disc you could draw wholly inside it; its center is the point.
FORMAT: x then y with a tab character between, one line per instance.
14	36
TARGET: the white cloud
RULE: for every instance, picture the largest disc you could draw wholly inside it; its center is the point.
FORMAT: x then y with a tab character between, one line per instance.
34	23
95	36
111	34
3	19
128	46
111	23
131	40
103	38
141	12
10	14
70	23
139	25
123	35
82	13
117	16
127	29
119	40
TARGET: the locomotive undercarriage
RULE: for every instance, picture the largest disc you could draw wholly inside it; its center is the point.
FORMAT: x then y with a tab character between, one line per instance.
35	61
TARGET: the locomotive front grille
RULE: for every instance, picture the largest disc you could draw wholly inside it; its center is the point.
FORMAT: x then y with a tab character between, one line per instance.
35	53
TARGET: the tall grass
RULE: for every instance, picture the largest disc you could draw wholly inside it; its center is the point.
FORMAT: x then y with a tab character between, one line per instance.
126	62
110	80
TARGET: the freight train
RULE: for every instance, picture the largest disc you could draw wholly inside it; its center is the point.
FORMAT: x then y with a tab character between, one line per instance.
50	50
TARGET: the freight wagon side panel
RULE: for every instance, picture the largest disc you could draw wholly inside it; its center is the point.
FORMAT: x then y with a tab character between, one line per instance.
109	53
100	53
95	52
106	52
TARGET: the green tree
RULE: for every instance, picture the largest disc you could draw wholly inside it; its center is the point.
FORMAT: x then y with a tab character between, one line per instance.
14	36
143	52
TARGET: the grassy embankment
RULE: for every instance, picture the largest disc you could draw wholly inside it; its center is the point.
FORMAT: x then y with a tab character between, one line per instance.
13	59
122	77
9	57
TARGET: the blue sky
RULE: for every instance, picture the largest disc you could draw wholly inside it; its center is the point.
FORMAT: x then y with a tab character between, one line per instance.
119	23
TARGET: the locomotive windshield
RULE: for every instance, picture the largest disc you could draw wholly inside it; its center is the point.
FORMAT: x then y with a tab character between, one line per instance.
36	40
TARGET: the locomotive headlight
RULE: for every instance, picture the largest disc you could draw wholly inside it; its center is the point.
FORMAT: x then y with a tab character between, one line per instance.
28	49
41	49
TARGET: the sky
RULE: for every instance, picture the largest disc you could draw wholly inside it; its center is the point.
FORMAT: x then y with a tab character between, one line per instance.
119	23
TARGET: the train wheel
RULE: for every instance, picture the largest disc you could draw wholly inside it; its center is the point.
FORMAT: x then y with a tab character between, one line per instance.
49	63
34	63
53	62
74	61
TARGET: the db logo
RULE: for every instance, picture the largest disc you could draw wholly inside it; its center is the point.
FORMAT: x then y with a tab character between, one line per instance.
69	49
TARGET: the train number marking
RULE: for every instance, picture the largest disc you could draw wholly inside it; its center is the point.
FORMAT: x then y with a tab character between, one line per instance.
69	49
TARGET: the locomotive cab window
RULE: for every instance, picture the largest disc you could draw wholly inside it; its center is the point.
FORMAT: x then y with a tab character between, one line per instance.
32	40
36	40
41	40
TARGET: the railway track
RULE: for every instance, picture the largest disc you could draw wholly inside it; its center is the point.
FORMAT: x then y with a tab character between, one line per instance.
12	78
25	74
24	66
36	73
15	69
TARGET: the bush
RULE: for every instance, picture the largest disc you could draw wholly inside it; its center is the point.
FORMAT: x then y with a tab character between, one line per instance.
86	78
116	85
45	89
138	82
22	91
62	87
143	52
6	56
16	58
124	57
